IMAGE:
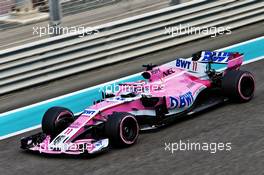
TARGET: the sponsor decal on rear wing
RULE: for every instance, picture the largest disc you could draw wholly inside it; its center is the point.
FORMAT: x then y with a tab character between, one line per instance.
214	57
232	60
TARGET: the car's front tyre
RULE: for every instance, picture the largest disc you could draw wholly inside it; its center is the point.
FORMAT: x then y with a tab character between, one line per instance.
122	129
55	120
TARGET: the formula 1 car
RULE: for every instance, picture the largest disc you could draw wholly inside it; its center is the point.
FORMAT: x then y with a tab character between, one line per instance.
179	88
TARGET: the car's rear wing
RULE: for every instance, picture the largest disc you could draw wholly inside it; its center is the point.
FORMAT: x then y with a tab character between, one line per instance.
214	57
198	64
232	59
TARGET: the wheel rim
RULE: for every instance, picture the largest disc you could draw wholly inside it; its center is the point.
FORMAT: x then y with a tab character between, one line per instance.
63	120
246	86
129	129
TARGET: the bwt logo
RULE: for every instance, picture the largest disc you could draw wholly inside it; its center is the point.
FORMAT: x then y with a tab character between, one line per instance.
183	64
88	112
182	100
119	99
218	57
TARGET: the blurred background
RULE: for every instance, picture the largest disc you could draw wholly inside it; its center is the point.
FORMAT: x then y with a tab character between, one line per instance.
18	17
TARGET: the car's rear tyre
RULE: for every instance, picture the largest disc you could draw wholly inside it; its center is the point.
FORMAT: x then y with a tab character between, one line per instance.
55	120
122	129
238	85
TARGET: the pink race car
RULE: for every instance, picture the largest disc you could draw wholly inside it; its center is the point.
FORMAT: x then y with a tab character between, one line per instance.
179	88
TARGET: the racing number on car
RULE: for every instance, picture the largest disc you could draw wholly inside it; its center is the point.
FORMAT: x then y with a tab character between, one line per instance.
194	67
68	131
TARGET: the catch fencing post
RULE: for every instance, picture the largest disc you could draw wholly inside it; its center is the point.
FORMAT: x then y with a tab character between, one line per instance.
55	16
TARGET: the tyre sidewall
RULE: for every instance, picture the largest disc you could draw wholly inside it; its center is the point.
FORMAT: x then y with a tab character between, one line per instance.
114	129
231	85
51	117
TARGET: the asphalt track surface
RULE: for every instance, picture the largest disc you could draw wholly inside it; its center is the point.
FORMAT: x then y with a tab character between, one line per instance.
240	124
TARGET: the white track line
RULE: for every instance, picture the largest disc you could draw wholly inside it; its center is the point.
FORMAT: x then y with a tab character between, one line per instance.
20	132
